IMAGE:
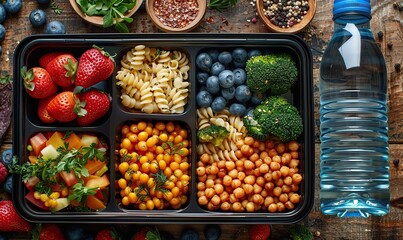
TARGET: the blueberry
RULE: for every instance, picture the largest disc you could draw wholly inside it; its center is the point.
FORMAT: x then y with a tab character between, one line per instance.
76	232
201	77
216	68
204	61
226	79
225	58
253	53
218	104
257	98
243	93
43	1
228	93
3	13
13	6
2	32
213	85
239	76
7	157
213	54
204	99
55	27
8	185
189	234
239	55
212	232
37	18
237	109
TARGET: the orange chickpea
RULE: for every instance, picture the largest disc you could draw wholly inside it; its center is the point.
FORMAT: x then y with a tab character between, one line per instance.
227	180
248	188
245	150
249	141
296	178
293	145
254	157
272	207
249	164
205	158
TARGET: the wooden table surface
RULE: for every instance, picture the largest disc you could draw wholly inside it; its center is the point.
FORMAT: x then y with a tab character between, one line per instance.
386	19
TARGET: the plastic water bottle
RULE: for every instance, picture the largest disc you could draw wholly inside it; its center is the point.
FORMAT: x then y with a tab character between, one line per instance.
354	168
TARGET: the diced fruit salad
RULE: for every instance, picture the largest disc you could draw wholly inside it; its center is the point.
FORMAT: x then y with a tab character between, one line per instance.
247	132
66	171
154	167
63	85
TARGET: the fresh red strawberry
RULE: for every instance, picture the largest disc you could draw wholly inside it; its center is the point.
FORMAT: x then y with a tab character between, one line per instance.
107	234
146	234
64	107
259	232
10	221
45	59
95	65
42	112
3	173
97	104
37	82
141	234
48	232
62	69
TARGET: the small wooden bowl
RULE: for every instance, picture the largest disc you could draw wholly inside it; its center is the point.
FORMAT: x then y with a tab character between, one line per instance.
295	28
202	10
97	20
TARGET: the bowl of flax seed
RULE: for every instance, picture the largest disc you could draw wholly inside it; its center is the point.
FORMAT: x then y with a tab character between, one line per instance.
176	15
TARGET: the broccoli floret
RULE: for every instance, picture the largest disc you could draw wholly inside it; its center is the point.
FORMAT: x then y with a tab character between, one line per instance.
274	72
284	122
274	117
212	134
300	232
254	129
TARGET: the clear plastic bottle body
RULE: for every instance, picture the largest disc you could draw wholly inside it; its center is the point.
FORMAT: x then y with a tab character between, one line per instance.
354	177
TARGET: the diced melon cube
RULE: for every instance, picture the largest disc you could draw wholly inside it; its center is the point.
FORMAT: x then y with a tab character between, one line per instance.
61	203
49	152
87	140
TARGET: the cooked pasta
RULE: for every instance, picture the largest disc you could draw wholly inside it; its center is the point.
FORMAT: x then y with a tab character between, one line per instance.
154	80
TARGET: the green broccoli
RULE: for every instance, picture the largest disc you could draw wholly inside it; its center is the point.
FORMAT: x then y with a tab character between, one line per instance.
300	232
274	117
274	72
212	134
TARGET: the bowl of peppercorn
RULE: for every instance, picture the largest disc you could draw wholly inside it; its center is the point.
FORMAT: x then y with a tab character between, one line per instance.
286	16
176	16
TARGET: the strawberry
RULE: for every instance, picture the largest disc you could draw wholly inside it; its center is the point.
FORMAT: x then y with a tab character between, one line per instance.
107	234
95	65
146	234
64	107
10	221
37	82
3	173
97	104
259	232
141	234
48	232
45	59
42	112
62	69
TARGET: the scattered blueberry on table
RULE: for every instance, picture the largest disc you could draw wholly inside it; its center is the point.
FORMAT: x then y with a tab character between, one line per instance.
55	27
13	6
37	17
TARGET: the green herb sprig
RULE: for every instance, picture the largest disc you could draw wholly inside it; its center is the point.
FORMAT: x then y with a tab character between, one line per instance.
221	5
113	11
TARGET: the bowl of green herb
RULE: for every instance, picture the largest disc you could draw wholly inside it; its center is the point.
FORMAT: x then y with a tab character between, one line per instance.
107	13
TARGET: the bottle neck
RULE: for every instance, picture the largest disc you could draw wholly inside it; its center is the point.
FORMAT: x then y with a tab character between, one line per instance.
361	21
